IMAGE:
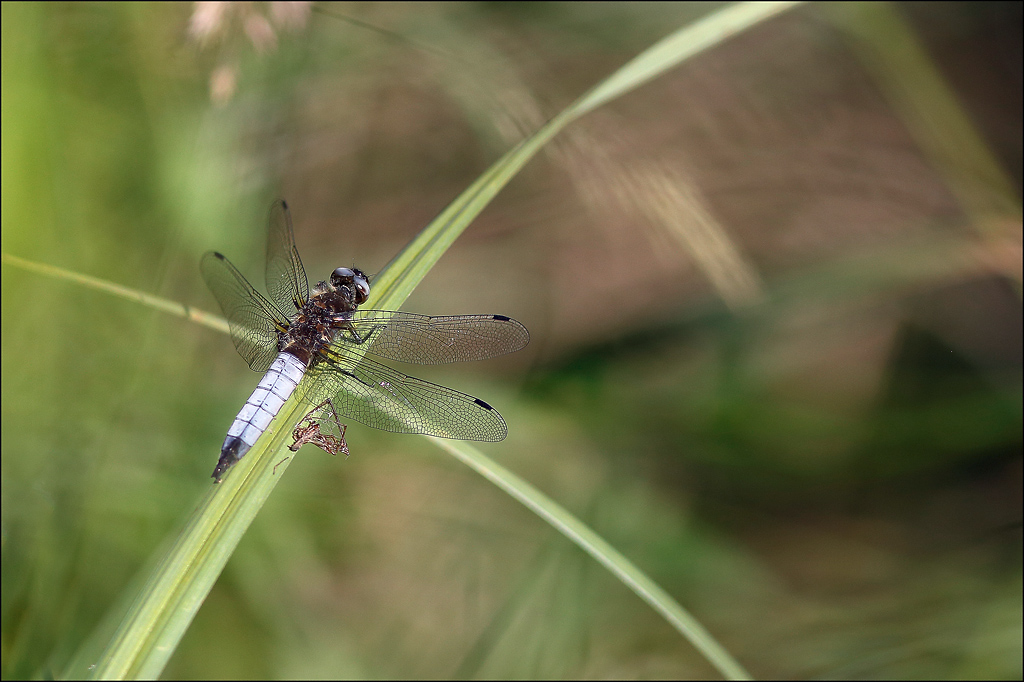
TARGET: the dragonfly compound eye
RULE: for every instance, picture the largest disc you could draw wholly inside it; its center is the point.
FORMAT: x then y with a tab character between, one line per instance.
342	276
362	287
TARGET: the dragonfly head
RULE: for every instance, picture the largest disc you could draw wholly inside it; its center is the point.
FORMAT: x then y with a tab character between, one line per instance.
355	279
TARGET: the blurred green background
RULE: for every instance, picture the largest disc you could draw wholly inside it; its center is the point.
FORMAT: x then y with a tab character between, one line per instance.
774	299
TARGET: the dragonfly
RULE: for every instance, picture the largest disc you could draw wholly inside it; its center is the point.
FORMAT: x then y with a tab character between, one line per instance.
321	344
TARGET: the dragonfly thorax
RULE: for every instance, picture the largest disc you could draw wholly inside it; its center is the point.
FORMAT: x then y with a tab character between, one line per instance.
316	324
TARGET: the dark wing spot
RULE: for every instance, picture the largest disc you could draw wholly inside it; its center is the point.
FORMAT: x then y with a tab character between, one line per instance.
483	404
502	318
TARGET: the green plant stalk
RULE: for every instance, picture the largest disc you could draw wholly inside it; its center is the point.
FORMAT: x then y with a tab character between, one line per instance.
162	304
891	50
159	617
397	280
596	546
166	605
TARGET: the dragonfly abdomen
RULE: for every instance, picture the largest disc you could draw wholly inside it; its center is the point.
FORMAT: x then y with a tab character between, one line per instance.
259	410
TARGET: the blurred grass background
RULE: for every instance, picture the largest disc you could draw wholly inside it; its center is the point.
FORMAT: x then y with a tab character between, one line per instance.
774	299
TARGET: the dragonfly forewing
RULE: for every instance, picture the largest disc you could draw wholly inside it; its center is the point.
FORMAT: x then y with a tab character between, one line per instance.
255	322
432	340
286	278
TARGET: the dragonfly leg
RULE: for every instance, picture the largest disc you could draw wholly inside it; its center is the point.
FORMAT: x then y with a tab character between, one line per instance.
354	335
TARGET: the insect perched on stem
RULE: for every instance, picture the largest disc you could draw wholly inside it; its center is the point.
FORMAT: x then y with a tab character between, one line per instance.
318	342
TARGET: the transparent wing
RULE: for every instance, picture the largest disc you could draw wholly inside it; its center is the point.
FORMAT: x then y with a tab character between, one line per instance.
426	340
385	399
286	278
254	321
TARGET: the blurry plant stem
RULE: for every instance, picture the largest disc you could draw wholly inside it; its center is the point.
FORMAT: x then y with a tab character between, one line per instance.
891	51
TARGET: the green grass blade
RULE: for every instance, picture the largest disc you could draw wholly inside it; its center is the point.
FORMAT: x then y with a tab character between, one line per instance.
156	622
673	49
158	619
594	545
397	280
162	304
892	51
